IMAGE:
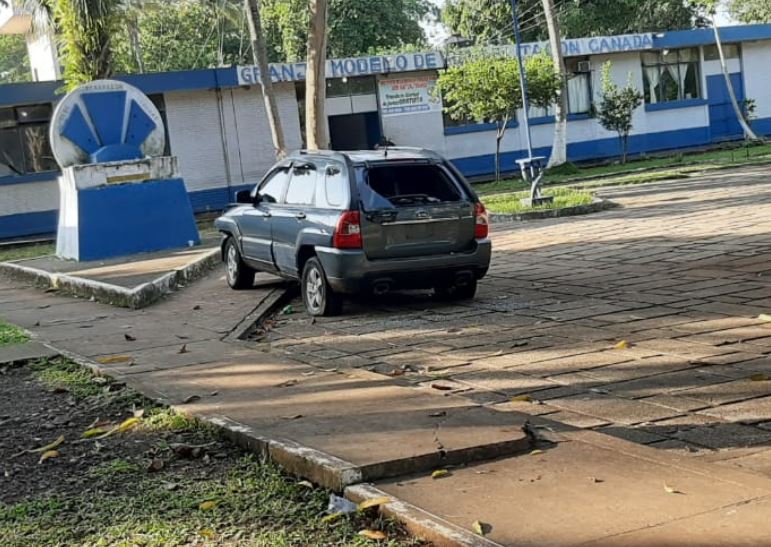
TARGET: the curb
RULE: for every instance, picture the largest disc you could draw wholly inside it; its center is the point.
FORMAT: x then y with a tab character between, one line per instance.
138	297
420	523
272	302
596	206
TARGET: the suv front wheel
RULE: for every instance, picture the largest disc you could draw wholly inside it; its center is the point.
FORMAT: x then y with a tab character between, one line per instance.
240	276
318	297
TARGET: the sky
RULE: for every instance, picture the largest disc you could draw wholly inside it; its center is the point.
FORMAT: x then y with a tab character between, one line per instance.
436	32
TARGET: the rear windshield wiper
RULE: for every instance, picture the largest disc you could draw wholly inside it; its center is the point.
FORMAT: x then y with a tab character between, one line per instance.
406	199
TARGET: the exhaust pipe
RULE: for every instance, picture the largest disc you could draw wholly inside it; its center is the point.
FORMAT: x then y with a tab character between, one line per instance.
463	278
381	287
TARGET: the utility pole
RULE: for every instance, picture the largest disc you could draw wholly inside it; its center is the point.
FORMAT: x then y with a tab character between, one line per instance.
559	147
316	77
260	52
749	134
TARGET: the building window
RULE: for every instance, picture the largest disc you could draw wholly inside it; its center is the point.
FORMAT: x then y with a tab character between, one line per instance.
579	89
160	104
24	145
347	87
730	51
671	75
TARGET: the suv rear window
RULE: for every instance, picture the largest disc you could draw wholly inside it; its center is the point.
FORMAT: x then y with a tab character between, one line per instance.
406	185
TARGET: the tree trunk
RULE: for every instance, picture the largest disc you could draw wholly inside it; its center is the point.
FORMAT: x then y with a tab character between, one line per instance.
498	138
749	134
136	45
623	142
260	52
316	77
559	146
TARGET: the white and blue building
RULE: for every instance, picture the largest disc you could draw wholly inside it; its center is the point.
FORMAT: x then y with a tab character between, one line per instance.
217	127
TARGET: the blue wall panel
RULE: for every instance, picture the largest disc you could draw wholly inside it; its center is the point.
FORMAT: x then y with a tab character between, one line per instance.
28	224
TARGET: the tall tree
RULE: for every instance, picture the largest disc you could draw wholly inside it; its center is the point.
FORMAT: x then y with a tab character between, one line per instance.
14	64
750	11
354	26
315	79
559	152
252	8
486	89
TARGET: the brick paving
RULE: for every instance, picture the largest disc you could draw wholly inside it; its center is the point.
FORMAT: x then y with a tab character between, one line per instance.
681	272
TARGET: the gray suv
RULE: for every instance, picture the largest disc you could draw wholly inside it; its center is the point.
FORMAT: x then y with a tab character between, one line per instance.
350	222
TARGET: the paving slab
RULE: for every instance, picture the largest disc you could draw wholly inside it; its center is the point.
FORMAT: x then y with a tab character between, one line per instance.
28	351
586	489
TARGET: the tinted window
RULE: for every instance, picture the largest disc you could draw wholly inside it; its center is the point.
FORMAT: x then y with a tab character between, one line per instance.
270	191
406	185
302	187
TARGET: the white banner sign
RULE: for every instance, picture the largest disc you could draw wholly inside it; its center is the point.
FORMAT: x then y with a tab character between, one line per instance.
408	95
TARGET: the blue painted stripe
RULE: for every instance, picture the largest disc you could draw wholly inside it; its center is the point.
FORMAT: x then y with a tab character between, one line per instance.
29	93
671	105
28	224
706	36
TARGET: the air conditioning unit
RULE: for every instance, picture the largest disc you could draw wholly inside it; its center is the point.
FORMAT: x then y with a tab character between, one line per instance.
584	66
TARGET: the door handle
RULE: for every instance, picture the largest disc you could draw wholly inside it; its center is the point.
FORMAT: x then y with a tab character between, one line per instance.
266	215
300	216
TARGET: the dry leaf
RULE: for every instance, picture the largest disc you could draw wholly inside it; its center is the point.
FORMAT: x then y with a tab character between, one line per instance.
129	338
293	417
480	527
373	534
595	480
623	344
288	383
138	413
127	424
207	505
206	533
374	502
331	518
48	454
439	473
93	432
536	452
191	399
183	349
306	484
440	414
441	387
764	317
671	490
522	399
112	359
51	446
759	377
330	369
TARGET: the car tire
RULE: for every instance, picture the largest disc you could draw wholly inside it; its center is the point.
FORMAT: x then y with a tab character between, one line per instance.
455	292
318	296
240	276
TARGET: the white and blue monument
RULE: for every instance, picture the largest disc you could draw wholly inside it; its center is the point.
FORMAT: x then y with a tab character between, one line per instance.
118	193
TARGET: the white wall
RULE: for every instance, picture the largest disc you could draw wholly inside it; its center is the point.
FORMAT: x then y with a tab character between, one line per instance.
42	58
29	197
756	57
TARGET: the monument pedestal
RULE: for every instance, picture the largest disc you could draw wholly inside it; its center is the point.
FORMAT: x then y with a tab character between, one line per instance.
120	208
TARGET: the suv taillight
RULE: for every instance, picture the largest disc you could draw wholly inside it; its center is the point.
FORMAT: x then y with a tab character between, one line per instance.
482	226
348	231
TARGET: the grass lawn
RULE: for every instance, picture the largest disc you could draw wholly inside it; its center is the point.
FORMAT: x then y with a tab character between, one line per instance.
11	334
680	165
510	202
26	251
165	480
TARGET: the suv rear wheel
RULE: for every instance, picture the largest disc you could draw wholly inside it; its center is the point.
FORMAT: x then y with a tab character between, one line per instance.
240	276
456	292
318	297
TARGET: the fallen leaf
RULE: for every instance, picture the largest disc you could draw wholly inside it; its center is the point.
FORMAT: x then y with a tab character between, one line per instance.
127	424
519	344
48	454
759	377
288	383
214	393
207	533
595	480
190	399
331	518
439	473
155	465
183	349
138	413
764	317
623	344
374	502
671	490
373	534
440	414
129	338
196	307
306	484
522	399
51	446
453	330
536	452
112	359
480	527
93	432
441	387
293	417
207	505
330	369
396	372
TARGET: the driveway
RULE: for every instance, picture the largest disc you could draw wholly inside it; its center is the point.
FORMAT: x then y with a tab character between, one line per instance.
680	273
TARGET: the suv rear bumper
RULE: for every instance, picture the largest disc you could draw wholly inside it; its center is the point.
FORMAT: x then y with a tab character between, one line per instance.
350	271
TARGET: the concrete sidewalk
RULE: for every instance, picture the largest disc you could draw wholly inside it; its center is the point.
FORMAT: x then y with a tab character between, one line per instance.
340	426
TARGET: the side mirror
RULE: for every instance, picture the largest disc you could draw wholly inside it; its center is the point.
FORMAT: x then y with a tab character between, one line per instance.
244	196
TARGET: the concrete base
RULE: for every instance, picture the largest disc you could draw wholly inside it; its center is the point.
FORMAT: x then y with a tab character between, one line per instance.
134	281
